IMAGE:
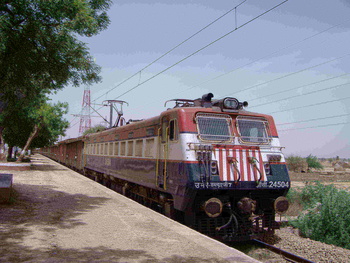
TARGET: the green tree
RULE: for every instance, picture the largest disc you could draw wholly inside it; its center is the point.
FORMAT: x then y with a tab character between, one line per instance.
94	129
313	162
38	44
18	121
39	48
38	126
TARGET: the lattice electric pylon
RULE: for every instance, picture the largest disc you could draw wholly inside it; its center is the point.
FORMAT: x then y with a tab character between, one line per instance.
85	117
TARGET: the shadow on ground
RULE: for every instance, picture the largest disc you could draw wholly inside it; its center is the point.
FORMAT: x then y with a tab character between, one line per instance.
43	205
93	254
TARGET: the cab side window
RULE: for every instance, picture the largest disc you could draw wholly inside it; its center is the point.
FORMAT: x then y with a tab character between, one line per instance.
170	130
173	130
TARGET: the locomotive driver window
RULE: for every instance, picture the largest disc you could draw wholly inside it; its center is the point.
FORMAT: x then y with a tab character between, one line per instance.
173	130
253	130
214	127
169	127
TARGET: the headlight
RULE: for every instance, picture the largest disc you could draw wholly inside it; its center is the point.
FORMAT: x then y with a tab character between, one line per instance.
231	103
213	207
281	205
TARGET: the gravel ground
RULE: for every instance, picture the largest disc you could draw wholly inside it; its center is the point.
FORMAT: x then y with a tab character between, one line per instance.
289	240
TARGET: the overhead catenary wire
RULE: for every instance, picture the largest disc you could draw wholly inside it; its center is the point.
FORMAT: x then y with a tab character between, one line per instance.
71	126
303	86
310	105
204	47
172	49
175	47
75	116
314	127
299	95
269	55
263	57
315	119
288	75
294	73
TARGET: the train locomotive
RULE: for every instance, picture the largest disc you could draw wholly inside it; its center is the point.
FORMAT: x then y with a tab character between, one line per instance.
211	164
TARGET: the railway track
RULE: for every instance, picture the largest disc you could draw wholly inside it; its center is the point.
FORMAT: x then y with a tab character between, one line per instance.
285	254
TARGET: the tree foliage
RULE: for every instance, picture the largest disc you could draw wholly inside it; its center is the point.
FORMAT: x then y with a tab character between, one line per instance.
46	119
38	45
18	121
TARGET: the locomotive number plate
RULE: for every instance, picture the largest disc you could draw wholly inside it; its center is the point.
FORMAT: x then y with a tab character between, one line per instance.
273	184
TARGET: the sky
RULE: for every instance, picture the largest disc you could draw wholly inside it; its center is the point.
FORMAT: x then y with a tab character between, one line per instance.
291	62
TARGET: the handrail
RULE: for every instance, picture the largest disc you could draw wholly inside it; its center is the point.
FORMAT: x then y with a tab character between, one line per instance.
166	152
158	155
253	161
234	162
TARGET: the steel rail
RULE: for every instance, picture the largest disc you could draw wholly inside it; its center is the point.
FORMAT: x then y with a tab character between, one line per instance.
289	256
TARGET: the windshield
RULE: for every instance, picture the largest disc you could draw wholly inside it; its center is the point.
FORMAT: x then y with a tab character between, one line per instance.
214	127
253	130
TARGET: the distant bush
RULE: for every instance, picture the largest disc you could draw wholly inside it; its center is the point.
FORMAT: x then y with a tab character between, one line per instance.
296	163
94	129
327	218
313	162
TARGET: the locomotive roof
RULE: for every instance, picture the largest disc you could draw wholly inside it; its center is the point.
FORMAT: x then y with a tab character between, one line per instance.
179	111
183	108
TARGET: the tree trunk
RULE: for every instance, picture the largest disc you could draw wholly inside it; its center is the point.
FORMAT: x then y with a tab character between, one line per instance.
9	152
2	146
34	133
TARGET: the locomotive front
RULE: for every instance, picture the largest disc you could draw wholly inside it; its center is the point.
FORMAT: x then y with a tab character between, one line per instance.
237	173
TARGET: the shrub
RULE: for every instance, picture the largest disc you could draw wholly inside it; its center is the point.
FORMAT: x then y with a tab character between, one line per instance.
330	222
313	162
94	129
296	163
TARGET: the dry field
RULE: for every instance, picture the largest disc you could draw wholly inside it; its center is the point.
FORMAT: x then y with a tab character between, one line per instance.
336	173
